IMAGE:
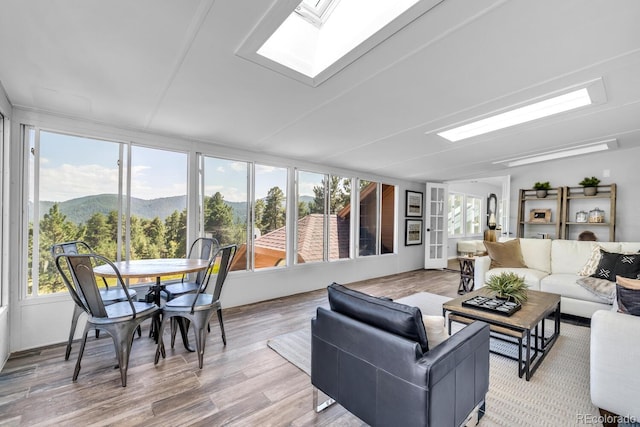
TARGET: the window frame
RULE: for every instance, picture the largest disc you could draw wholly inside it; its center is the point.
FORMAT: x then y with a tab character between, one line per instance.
123	240
464	220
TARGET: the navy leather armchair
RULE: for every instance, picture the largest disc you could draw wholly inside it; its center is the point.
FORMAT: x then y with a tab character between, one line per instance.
372	356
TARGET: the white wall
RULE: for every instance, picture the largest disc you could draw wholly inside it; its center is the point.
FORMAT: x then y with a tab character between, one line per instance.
45	320
5	109
624	170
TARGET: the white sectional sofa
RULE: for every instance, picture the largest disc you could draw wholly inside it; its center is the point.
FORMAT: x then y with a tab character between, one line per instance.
552	266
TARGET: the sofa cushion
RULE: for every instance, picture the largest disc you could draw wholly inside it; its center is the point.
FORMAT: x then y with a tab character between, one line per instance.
602	288
531	277
570	256
537	253
390	316
628	295
567	286
505	254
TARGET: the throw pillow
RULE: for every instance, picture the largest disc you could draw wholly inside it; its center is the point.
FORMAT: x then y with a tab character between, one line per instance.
628	265
436	331
606	266
591	265
505	254
601	288
628	291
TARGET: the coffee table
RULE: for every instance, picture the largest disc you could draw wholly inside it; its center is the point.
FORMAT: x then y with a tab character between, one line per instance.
525	328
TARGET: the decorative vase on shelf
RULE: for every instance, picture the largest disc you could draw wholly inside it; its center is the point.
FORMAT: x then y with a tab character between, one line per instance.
492	221
590	191
541	194
596	216
581	216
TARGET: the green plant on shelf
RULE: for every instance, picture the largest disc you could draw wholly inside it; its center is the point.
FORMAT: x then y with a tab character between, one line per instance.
589	182
508	285
542	186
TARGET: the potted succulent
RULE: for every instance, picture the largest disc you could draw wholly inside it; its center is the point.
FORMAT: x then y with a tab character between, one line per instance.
541	189
508	285
590	185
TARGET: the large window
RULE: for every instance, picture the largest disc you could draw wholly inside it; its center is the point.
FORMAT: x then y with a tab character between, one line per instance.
377	218
226	213
311	235
324	211
270	208
124	201
465	216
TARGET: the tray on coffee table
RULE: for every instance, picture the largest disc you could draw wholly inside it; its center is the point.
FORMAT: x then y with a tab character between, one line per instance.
493	305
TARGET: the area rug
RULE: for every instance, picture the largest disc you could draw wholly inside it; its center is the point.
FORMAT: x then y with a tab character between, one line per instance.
556	395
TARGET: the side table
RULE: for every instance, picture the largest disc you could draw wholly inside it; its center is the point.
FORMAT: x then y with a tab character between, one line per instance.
467	270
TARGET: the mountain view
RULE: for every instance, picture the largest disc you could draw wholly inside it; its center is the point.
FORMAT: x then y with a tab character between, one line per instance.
80	210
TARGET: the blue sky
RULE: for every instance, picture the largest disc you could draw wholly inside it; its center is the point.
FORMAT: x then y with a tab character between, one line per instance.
73	167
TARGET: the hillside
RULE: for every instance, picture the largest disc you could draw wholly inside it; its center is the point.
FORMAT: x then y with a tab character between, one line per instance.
80	210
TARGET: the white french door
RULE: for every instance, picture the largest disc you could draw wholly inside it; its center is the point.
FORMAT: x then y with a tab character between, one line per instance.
436	226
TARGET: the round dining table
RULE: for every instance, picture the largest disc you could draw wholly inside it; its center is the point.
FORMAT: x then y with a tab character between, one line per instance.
158	268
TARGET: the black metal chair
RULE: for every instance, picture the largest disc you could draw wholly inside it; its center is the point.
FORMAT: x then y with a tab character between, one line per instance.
120	319
199	307
108	294
207	248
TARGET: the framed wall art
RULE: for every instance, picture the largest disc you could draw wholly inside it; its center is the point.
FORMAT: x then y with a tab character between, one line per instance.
540	215
414	204
413	232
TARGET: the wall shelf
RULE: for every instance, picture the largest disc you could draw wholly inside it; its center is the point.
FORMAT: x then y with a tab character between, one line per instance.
527	201
574	200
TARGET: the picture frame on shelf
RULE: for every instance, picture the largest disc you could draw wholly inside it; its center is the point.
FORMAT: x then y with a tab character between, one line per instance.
414	204
413	232
540	216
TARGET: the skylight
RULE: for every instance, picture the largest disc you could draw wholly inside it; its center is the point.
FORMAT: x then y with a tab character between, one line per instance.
548	107
320	37
316	11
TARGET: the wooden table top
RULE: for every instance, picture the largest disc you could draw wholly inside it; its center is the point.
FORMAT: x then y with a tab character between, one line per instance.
152	267
538	306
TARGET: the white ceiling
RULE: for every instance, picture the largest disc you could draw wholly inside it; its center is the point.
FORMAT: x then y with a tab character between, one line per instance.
169	67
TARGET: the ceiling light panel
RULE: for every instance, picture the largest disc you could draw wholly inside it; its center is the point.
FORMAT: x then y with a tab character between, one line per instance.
548	107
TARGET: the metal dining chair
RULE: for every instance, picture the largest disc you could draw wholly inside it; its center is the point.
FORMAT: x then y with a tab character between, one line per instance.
119	320
198	308
108	294
207	248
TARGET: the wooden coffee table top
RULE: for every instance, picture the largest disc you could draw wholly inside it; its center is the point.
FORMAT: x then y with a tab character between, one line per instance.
537	307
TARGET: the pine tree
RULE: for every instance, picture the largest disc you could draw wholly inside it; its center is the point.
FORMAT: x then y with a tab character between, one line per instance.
218	218
274	210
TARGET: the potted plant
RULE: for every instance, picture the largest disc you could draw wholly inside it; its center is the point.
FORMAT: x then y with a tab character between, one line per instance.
541	189
590	185
508	285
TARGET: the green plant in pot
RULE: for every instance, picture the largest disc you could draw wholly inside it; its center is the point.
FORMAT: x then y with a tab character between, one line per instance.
541	189
590	185
508	285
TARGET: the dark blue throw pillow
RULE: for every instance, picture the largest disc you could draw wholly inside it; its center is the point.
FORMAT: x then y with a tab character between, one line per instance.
382	313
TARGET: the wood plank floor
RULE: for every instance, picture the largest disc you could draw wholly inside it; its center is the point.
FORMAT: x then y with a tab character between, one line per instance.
244	383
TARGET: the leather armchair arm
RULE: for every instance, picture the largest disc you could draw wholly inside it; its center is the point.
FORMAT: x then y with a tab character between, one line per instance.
615	371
